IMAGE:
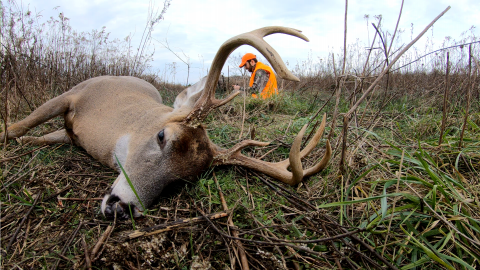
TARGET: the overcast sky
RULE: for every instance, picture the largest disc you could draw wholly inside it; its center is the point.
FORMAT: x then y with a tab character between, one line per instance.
198	28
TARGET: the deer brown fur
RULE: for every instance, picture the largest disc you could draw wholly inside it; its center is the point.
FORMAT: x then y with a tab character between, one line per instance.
123	120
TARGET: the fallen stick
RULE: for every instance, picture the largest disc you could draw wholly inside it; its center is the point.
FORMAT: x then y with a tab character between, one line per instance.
79	199
308	250
88	262
172	225
312	207
445	100
23	221
67	245
100	242
241	250
67	187
23	154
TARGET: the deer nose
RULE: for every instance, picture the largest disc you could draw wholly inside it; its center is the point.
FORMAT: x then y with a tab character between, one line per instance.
115	208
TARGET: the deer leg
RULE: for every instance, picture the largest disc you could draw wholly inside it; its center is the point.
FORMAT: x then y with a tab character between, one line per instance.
59	136
50	109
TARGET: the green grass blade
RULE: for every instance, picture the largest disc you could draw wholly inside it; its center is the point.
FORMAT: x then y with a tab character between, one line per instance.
360	177
21	199
383	201
359	200
428	251
457	260
129	182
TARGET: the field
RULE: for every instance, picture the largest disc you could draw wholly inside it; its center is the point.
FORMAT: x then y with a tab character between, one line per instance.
400	192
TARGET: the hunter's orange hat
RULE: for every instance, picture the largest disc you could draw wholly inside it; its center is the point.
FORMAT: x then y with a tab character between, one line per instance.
247	57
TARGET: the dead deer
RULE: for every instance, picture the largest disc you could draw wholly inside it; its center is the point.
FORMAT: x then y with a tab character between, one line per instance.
122	120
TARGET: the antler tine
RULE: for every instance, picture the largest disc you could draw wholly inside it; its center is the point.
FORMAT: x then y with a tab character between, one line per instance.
207	101
316	138
322	164
294	157
278	170
224	155
294	160
311	145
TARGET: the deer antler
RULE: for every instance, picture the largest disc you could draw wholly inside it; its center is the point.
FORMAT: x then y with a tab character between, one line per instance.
278	170
207	101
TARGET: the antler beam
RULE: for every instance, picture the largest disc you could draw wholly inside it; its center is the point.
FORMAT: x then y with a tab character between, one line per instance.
207	101
279	170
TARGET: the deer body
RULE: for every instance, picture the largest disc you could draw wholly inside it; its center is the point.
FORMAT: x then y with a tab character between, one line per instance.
124	119
89	122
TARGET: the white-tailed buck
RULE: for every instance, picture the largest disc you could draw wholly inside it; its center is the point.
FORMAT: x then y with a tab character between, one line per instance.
123	118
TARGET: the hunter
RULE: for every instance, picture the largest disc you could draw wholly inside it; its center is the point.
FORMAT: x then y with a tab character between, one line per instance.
263	81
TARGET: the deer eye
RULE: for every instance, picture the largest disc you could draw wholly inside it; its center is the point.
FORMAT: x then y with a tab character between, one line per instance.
161	136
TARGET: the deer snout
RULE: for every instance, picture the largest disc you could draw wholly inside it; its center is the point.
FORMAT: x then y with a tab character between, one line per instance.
121	201
113	207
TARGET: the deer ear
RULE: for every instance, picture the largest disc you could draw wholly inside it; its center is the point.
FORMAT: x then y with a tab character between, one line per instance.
190	95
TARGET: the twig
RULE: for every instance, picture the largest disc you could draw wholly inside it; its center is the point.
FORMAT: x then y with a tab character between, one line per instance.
333	247
321	108
262	235
103	238
374	263
281	194
79	199
241	249
344	147
396	27
345	39
67	245
175	224
369	248
270	151
380	76
5	120
337	102
321	240
370	88
14	236
5	186
342	80
88	262
353	236
163	208
310	134
57	193
307	250
243	117
469	94
24	154
445	100
26	236
290	194
442	49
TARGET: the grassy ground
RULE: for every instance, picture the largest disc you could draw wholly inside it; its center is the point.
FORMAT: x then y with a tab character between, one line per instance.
403	198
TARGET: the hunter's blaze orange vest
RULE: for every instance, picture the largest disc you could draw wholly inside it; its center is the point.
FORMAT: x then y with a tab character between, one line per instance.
271	86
